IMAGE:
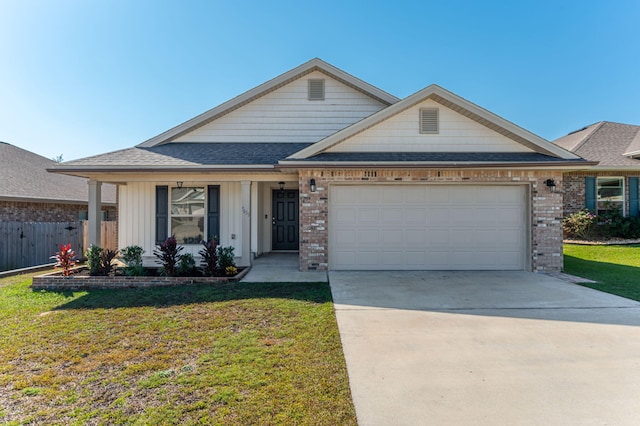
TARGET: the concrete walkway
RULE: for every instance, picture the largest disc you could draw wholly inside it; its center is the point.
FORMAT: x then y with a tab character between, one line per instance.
487	348
283	268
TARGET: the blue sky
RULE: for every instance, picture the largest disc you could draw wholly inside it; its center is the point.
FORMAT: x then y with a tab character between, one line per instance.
81	78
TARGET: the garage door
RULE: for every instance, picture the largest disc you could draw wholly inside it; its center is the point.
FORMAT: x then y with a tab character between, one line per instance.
427	227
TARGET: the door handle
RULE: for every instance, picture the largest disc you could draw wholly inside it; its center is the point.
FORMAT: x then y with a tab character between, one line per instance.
273	221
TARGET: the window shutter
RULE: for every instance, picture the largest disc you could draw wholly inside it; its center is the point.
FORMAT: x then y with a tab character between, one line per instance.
213	212
590	192
429	120
162	213
316	90
634	208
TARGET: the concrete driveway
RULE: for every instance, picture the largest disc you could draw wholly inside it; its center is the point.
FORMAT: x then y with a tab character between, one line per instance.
487	348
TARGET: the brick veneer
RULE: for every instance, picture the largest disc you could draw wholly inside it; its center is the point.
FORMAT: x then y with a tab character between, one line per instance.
55	281
20	211
545	207
574	189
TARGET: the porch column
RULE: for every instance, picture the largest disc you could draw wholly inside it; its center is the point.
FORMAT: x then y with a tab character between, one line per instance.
94	216
255	229
246	223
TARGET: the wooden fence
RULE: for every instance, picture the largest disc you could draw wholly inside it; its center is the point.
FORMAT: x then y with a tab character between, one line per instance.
24	244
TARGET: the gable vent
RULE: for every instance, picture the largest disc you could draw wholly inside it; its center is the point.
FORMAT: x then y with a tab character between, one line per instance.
429	120
316	90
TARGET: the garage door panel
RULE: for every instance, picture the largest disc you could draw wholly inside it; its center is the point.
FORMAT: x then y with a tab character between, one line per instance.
368	216
391	215
415	216
368	236
427	227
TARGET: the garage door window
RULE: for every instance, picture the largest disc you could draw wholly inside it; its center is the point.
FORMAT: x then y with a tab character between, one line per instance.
610	195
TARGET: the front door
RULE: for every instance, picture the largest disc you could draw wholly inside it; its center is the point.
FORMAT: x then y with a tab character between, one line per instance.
285	220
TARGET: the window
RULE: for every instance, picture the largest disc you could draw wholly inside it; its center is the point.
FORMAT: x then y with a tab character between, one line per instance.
316	90
429	120
187	211
610	195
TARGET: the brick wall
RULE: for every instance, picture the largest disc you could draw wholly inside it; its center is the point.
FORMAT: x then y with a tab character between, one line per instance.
574	189
20	211
545	207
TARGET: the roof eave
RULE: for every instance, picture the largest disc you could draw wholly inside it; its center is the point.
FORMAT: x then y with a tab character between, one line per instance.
565	165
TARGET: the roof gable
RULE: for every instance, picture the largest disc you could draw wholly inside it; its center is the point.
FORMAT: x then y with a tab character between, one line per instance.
287	115
529	141
313	66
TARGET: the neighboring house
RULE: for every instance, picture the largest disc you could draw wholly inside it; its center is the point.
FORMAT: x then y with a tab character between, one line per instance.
320	162
612	184
30	194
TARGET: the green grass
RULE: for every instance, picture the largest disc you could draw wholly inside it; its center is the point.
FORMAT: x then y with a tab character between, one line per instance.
225	354
616	268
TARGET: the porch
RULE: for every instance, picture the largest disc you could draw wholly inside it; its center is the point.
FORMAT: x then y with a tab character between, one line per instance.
281	267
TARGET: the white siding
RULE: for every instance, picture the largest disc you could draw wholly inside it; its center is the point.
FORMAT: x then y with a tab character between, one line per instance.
137	216
286	115
401	132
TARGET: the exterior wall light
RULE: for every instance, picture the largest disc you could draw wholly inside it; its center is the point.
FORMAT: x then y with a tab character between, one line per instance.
312	185
281	184
179	183
551	184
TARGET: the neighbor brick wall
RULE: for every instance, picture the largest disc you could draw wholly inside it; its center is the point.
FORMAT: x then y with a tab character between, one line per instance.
545	207
574	189
20	211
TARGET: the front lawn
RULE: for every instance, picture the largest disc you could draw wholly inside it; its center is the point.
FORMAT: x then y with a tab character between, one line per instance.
222	354
615	268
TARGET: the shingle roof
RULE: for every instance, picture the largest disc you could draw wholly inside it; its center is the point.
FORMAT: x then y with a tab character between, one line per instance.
190	155
445	157
605	142
24	175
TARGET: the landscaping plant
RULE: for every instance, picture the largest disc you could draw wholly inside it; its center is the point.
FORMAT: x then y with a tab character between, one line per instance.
186	265
209	254
132	257
168	254
65	259
100	260
225	259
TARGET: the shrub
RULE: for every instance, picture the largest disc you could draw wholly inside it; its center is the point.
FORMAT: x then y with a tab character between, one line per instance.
100	260
225	257
579	225
230	270
168	254
186	265
132	257
65	258
209	254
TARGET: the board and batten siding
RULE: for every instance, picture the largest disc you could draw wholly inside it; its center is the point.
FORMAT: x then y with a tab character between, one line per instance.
137	216
286	115
401	132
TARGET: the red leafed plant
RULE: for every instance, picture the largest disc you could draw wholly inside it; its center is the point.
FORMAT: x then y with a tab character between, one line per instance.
66	259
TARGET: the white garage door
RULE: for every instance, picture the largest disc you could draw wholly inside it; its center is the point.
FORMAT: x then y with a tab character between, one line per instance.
427	227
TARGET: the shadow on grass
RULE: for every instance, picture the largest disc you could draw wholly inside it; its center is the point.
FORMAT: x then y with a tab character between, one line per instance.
185	295
621	280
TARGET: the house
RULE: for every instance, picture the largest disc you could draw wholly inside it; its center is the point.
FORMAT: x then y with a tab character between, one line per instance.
612	184
30	194
320	162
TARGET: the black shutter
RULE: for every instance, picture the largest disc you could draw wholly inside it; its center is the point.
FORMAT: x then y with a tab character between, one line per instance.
590	193
162	213
213	212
